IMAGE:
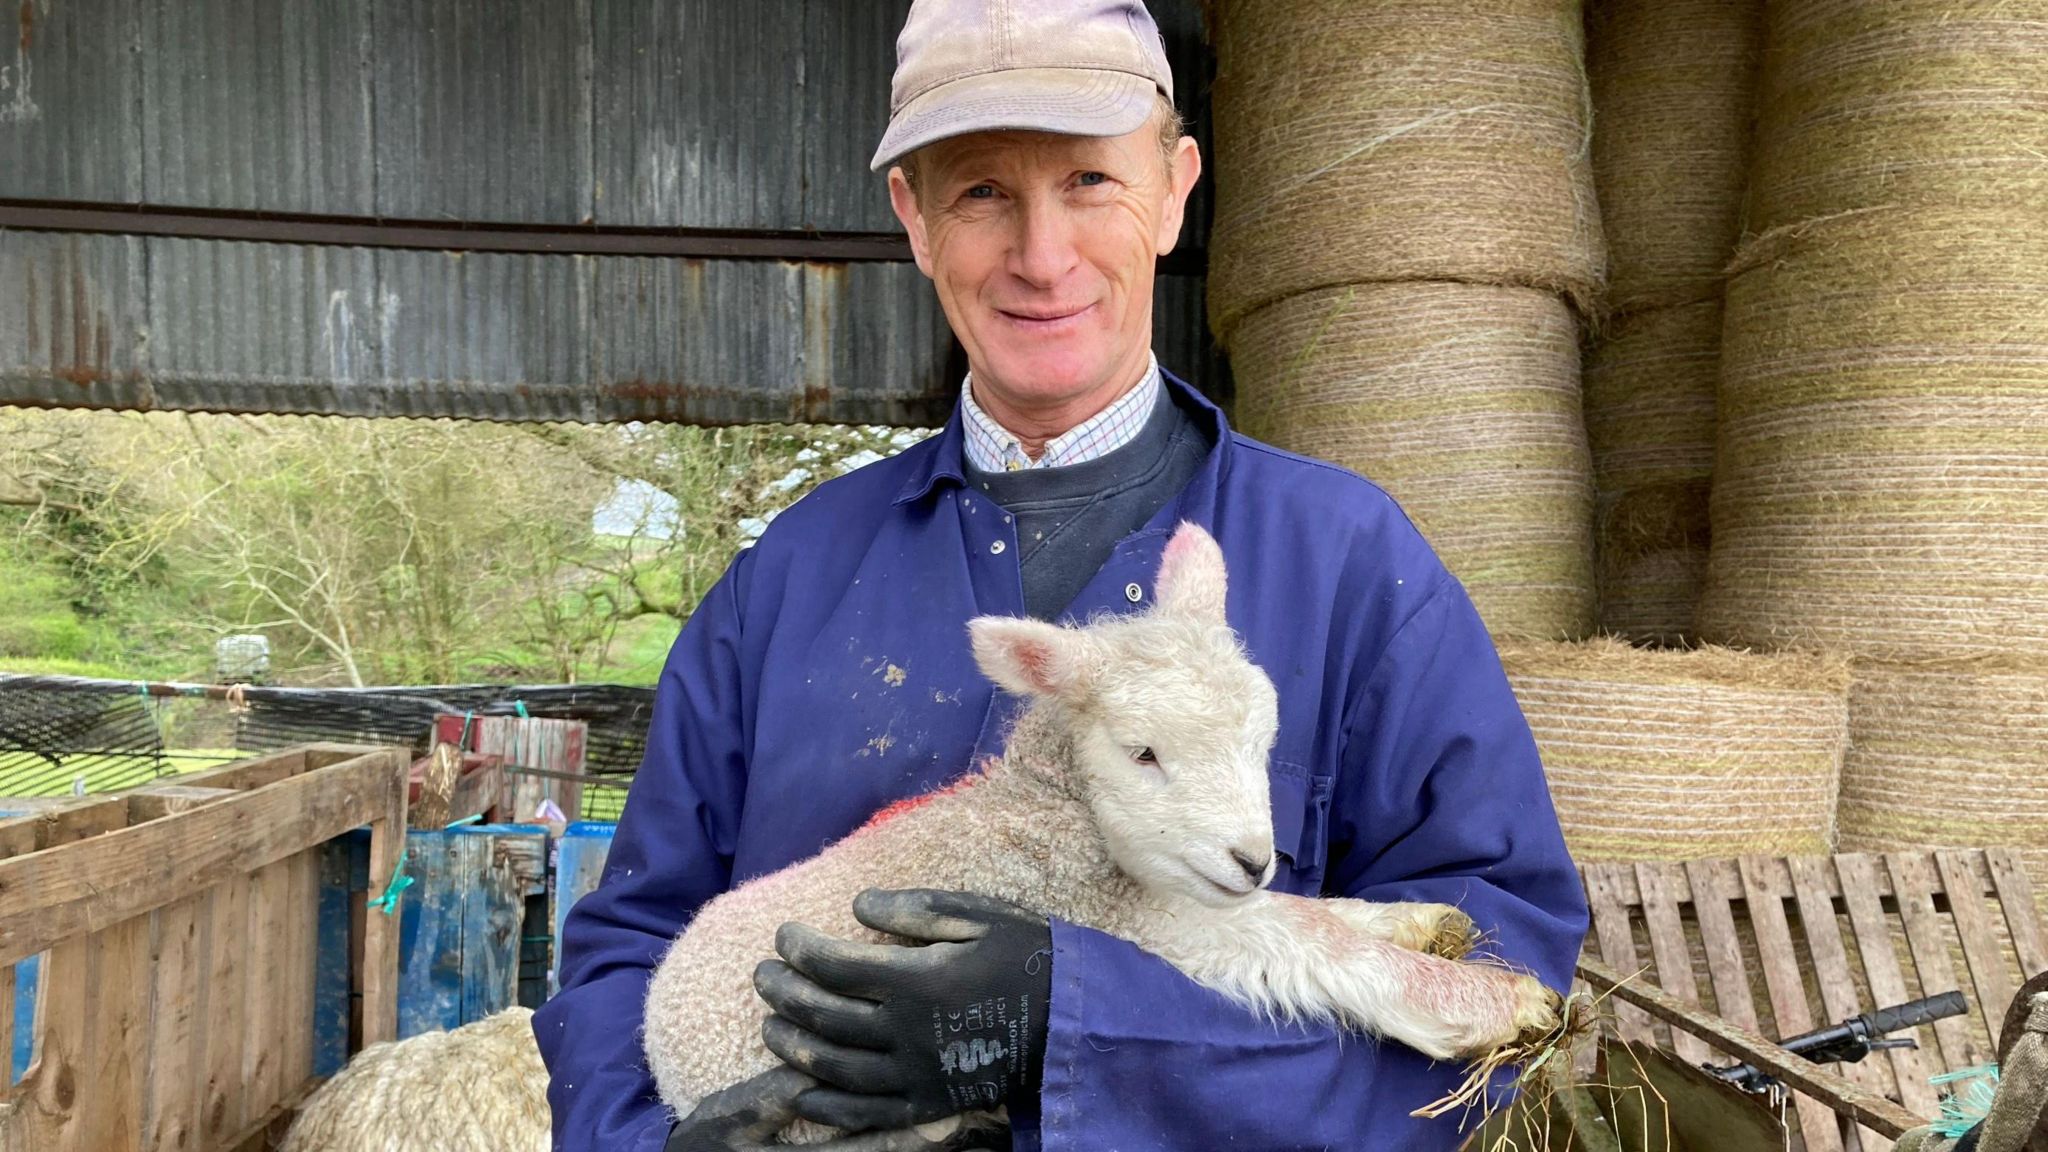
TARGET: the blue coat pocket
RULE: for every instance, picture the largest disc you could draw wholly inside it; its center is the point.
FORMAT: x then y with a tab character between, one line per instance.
1301	811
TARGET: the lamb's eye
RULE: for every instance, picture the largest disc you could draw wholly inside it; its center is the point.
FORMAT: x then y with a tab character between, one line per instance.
1144	756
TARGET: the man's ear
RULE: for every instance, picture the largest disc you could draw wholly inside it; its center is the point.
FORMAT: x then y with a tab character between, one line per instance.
904	201
1183	169
1032	657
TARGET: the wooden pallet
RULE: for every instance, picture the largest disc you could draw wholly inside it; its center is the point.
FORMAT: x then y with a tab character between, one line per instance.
1788	944
178	927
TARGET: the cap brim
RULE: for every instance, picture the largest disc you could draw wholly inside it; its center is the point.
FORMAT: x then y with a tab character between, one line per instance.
1069	101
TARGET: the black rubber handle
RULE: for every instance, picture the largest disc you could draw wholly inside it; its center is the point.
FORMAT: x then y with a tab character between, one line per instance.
1916	1013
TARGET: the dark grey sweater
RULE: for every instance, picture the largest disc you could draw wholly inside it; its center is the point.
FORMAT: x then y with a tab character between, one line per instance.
1069	518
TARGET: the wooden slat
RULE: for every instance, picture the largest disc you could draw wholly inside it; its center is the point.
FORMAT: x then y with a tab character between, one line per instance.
263	1029
221	1112
1981	951
1831	970
2016	897
1765	885
1723	947
1683	892
7	980
43	1117
262	771
1880	1114
170	1120
58	893
305	928
160	800
1617	944
1654	882
1867	919
119	1040
1913	880
380	932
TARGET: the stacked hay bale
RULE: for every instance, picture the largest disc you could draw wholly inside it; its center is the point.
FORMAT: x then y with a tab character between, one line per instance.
1673	84
1679	755
1881	484
1405	225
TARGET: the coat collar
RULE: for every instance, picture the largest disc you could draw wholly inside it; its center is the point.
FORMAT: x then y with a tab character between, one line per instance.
944	462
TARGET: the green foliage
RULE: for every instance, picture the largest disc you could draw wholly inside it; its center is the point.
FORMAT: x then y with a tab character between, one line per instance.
378	551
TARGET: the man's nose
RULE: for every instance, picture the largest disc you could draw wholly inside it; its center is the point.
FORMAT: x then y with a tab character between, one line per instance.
1045	250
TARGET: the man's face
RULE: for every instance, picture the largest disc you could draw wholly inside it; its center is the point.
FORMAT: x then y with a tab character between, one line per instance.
1042	249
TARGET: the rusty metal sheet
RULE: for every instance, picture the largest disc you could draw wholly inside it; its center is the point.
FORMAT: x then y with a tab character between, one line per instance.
487	334
482	109
698	341
696	107
263	327
68	78
849	55
256	104
72	320
880	344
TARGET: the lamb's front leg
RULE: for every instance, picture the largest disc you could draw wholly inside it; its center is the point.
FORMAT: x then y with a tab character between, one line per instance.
1302	958
1438	929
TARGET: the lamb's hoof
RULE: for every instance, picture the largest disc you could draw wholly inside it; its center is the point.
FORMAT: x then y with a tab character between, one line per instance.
1540	1014
1437	930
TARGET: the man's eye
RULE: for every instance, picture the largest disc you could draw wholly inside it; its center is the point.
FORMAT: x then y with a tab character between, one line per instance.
1091	179
981	192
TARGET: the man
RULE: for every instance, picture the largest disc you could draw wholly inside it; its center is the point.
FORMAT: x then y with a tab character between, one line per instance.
1040	171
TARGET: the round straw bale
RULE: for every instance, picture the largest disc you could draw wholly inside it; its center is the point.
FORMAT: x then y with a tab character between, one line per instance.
1652	561
1650	382
479	1088
1881	483
1683	755
1950	752
1463	402
1399	140
1649	385
1911	103
1674	82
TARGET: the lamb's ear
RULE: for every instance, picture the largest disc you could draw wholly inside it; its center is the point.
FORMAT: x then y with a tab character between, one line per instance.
1191	578
1031	657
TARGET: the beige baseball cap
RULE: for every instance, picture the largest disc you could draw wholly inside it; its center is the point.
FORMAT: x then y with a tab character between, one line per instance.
1079	67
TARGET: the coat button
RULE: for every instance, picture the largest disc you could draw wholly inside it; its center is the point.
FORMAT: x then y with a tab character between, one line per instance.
996	549
1133	593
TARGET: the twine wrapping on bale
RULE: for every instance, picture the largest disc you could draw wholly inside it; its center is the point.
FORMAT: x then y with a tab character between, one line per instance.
1651	551
1674	82
1681	755
1649	387
1951	752
1402	140
1913	103
1463	402
1881	482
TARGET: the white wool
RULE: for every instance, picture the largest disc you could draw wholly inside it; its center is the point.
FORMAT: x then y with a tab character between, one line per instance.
479	1088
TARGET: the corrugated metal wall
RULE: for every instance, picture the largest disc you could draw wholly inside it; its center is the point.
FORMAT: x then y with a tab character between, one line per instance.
748	115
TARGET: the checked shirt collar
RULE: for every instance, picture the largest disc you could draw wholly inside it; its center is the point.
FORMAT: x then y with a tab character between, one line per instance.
991	448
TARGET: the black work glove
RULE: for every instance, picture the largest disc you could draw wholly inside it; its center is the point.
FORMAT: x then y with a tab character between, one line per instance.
746	1117
907	1035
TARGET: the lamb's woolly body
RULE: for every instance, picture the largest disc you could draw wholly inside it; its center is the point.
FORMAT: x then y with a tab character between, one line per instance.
1019	832
479	1088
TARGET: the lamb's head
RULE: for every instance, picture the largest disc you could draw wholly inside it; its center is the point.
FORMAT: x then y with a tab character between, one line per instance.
1169	722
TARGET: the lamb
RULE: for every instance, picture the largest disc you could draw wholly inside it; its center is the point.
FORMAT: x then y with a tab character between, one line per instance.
1131	798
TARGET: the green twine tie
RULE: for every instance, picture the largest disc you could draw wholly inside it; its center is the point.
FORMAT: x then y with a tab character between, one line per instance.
1969	1102
392	891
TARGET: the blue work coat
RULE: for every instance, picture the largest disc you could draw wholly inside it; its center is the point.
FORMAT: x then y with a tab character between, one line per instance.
828	674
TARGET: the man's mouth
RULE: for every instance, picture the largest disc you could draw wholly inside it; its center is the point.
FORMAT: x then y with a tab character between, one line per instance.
1043	319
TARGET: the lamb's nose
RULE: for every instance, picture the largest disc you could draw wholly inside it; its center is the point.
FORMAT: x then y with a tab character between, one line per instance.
1254	867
